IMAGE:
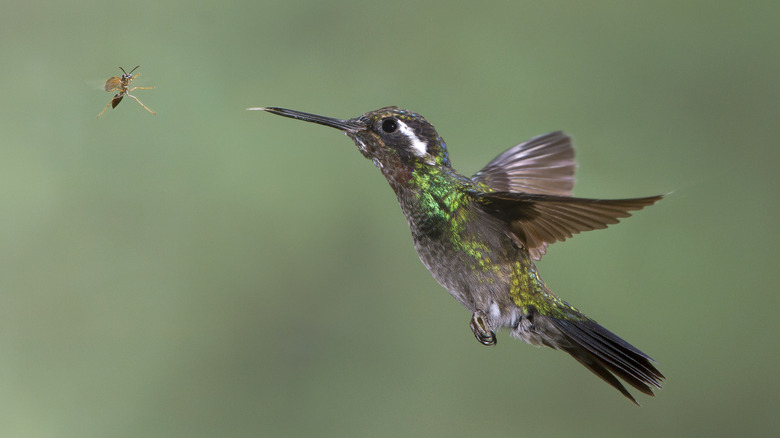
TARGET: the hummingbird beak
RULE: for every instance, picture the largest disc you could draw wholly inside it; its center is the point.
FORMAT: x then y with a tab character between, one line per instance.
348	126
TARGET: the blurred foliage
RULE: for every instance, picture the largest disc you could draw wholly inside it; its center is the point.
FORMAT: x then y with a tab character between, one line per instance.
211	271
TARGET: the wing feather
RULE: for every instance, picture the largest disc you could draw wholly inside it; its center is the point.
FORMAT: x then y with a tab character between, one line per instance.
542	165
540	220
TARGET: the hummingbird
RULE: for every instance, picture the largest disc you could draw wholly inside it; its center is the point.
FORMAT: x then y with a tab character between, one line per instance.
479	236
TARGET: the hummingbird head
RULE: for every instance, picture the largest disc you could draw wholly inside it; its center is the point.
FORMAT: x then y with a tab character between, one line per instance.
394	139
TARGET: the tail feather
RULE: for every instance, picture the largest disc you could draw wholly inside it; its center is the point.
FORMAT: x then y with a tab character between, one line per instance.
606	355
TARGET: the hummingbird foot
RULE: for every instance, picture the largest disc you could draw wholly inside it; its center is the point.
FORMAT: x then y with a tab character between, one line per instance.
481	332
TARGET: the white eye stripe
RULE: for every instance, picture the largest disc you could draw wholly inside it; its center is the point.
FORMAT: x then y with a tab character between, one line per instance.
419	147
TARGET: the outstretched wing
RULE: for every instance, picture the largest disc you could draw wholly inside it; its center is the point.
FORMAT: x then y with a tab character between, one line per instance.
543	165
540	220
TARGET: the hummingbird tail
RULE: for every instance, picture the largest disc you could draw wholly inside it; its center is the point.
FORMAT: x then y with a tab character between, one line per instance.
606	355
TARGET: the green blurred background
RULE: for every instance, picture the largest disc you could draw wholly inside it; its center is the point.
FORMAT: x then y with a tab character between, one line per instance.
216	272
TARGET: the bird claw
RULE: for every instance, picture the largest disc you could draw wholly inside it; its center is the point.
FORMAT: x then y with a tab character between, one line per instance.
481	332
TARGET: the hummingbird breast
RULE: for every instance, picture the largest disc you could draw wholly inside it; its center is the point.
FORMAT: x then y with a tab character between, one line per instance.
469	252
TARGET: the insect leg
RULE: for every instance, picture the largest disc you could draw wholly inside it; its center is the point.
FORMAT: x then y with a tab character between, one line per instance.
104	109
141	103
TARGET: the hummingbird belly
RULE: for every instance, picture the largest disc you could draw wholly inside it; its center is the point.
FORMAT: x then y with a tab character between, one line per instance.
480	270
491	274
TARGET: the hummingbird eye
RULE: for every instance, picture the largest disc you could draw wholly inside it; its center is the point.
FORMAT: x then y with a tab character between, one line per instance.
389	125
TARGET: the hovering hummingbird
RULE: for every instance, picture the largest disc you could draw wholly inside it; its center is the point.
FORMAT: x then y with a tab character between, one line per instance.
479	236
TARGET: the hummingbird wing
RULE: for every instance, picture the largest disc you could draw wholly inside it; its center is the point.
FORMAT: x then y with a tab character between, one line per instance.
539	220
542	165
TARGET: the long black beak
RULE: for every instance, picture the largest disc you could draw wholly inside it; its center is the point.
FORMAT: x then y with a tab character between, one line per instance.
351	125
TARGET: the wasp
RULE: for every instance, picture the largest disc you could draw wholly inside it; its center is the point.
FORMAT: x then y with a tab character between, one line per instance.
120	84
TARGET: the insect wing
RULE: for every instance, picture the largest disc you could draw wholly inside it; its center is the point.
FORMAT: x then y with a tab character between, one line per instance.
113	84
117	98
